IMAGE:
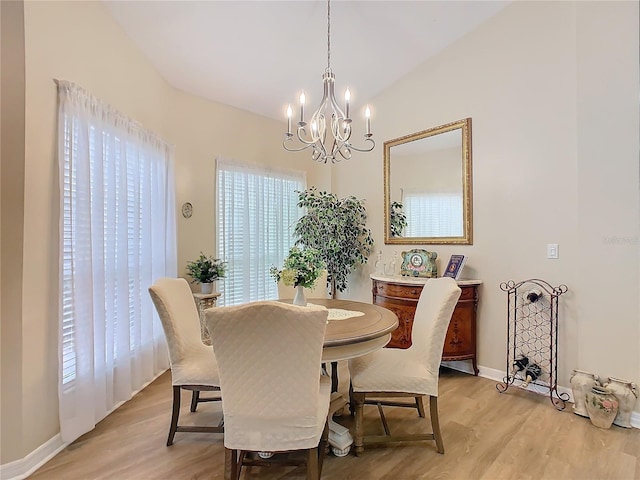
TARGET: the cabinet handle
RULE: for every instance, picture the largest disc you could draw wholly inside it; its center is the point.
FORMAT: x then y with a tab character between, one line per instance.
414	292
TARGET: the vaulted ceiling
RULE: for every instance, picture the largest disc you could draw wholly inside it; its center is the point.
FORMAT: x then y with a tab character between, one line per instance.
259	55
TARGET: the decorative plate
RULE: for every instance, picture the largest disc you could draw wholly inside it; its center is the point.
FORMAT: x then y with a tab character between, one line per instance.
419	263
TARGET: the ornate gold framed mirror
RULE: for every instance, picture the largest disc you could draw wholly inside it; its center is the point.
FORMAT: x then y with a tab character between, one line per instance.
428	186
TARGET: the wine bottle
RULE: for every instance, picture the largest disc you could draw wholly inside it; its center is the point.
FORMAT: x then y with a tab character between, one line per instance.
532	373
533	295
521	363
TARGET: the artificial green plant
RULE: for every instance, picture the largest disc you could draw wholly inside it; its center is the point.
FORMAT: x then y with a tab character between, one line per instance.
337	229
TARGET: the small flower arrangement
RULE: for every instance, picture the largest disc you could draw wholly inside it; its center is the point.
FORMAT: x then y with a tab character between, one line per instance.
206	269
301	267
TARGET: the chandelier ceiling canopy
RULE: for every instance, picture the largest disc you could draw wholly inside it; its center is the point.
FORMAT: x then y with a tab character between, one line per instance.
328	133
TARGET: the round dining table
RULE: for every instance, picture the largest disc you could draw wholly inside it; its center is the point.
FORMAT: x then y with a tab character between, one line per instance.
355	328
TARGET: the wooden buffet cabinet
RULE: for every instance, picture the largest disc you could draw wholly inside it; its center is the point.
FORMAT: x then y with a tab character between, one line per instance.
400	295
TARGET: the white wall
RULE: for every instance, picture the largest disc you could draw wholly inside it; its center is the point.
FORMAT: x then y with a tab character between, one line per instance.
203	130
552	88
11	227
555	159
80	42
607	100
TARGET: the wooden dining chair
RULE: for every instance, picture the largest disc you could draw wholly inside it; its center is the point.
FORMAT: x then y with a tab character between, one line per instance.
193	365
274	396
413	372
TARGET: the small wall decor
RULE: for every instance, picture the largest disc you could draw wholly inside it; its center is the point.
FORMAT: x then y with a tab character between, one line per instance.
187	210
419	263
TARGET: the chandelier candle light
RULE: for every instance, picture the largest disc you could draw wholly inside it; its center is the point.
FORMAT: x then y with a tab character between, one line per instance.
334	146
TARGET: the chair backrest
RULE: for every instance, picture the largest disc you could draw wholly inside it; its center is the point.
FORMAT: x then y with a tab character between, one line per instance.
318	291
433	314
269	357
178	313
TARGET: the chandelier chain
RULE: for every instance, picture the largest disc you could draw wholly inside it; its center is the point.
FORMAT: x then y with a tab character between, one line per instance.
328	35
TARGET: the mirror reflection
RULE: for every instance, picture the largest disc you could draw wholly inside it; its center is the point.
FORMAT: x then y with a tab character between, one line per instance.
428	186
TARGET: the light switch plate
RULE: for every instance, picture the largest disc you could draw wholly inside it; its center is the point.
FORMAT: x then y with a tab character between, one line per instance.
552	250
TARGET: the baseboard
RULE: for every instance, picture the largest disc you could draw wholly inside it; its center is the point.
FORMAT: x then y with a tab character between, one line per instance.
24	467
499	375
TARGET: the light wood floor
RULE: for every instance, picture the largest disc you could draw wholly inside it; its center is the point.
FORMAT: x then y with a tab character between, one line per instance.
487	435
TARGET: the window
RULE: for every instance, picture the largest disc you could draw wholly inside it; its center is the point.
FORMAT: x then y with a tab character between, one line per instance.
433	214
117	237
256	211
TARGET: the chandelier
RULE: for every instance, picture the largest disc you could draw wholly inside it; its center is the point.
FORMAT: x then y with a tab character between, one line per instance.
329	131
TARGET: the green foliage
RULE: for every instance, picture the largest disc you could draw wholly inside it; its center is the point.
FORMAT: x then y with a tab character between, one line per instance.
398	219
337	229
301	267
206	269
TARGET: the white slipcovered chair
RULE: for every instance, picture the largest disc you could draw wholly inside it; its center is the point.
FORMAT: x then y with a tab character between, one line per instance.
193	366
273	394
320	290
413	372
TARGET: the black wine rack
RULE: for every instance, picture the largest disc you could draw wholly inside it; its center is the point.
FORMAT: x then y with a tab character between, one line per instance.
532	338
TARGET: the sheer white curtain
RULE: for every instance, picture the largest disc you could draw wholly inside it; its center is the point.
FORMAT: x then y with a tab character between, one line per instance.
117	228
256	211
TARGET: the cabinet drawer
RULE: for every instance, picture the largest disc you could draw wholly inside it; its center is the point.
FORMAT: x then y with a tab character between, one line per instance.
410	292
468	293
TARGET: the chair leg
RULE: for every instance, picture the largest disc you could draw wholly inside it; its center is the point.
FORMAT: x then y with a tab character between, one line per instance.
195	397
435	423
312	464
358	398
175	413
420	406
323	447
231	466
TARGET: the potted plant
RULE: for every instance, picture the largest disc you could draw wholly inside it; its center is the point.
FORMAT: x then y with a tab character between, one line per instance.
337	229
204	270
301	269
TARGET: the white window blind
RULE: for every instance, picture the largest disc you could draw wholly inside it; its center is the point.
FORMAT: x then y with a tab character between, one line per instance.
256	211
117	237
433	214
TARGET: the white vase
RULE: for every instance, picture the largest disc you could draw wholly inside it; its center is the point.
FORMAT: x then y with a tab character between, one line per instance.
299	297
581	383
602	406
206	287
627	394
